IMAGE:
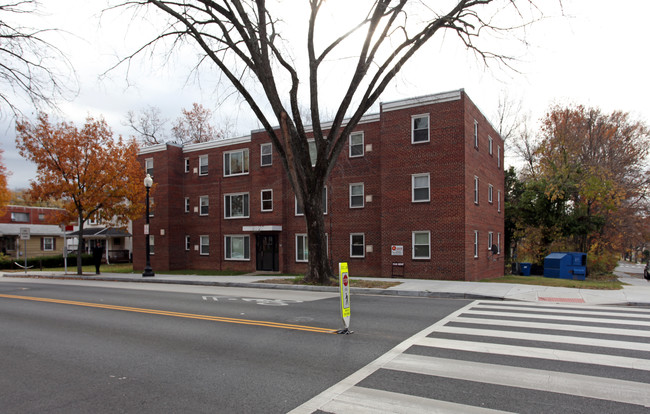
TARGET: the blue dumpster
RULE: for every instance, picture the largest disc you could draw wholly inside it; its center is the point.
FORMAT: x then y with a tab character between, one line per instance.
525	268
566	265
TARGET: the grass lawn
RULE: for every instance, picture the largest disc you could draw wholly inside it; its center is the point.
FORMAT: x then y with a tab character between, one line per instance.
360	283
604	282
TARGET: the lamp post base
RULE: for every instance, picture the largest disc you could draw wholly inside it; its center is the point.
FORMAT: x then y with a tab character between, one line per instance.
148	272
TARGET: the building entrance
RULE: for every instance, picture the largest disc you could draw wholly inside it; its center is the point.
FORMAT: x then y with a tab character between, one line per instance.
267	250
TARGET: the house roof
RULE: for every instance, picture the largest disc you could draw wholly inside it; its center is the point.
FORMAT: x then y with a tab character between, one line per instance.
13	229
102	233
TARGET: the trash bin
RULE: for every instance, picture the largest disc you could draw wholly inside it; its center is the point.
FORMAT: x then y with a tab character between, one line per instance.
525	268
566	265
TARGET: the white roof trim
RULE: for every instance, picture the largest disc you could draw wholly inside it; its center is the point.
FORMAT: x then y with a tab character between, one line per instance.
256	229
422	100
216	144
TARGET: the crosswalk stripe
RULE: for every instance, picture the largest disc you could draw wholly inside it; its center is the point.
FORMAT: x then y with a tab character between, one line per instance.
564	310
575	340
362	400
539	353
558	318
523	305
554	326
558	382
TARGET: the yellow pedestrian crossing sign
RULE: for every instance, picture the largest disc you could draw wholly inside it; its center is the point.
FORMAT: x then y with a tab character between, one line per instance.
344	284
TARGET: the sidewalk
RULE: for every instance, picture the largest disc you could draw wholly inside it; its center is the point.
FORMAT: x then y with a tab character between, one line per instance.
635	293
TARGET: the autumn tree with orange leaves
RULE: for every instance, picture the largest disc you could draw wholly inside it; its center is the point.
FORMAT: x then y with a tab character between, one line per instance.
96	175
5	194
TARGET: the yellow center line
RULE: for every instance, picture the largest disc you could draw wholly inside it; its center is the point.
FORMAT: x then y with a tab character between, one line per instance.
175	314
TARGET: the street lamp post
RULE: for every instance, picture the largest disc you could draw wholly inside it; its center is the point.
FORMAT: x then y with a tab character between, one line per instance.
148	271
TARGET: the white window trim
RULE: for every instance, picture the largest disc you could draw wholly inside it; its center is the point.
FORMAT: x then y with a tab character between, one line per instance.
201	238
490	240
152	244
363	255
247	240
187	205
188	244
51	249
498	201
476	244
297	214
413	245
498	156
201	198
300	235
476	134
413	177
363	142
225	210
498	243
490	143
262	200
187	165
363	195
207	164
490	193
146	166
243	151
476	193
262	146
413	117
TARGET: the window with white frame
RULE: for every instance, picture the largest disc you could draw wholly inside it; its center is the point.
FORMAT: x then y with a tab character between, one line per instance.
313	152
187	204
20	217
490	142
267	200
357	245
302	249
235	162
188	245
301	212
236	205
475	190
475	134
48	243
475	243
490	240
421	241
237	247
148	166
204	205
498	156
498	243
419	128
151	244
203	165
356	144
420	188
266	154
498	201
357	195
490	193
204	245
187	165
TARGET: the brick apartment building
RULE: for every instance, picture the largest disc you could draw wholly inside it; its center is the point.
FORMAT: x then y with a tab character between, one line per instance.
418	192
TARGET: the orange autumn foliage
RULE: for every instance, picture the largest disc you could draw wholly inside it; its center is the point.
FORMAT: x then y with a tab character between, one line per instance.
5	194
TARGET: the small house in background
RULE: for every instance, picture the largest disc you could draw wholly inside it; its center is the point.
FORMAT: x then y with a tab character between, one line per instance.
39	223
115	242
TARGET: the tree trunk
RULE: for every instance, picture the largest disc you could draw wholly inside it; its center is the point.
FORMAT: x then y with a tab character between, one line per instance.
80	246
320	271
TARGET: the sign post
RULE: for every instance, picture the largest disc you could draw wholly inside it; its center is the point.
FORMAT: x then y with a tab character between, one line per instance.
344	284
25	235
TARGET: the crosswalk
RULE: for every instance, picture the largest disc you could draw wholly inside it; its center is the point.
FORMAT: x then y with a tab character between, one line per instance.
508	357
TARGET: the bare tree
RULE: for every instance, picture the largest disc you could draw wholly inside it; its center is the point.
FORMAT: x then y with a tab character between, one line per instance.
244	39
194	126
148	124
31	67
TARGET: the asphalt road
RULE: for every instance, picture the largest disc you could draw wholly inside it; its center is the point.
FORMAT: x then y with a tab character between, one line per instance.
103	348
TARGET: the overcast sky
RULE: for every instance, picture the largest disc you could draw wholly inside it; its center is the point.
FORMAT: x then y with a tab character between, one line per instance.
587	57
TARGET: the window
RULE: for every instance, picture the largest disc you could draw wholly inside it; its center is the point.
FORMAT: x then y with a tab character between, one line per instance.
267	200
266	154
498	156
235	163
421	245
301	212
313	152
20	217
356	195
187	204
48	243
151	244
356	144
490	145
236	205
188	245
475	243
41	217
187	165
203	165
490	240
302	252
204	205
490	192
498	201
498	243
204	242
419	128
475	190
419	188
237	247
475	134
148	166
357	245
